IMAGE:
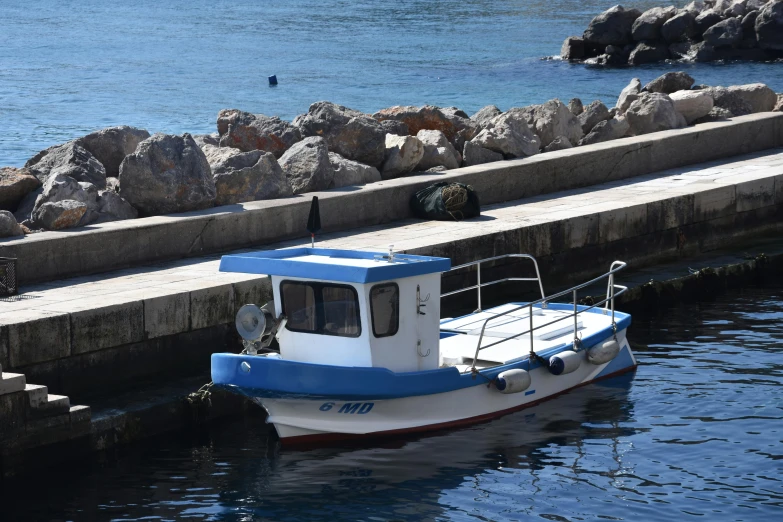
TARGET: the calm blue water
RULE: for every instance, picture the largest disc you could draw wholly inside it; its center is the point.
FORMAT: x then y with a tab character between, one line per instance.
67	68
695	434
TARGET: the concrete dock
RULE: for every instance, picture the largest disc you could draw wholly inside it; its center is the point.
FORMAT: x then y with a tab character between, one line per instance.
123	330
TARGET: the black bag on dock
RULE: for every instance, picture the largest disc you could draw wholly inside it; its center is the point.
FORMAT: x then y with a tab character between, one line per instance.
446	202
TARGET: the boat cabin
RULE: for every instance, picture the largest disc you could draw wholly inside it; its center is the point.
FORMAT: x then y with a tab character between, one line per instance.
352	308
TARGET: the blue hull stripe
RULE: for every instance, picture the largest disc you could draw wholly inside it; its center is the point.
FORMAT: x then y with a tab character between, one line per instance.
281	378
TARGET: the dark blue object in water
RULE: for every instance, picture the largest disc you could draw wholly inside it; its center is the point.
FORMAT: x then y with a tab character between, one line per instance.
273	80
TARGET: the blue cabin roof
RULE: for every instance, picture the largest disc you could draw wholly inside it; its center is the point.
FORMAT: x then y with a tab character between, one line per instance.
349	266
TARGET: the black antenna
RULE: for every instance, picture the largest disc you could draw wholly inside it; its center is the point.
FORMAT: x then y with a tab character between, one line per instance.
314	220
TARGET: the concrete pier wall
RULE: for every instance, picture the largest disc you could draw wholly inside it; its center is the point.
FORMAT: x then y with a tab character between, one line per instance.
99	248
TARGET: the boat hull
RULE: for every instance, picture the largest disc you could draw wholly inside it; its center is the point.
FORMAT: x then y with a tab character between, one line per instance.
300	420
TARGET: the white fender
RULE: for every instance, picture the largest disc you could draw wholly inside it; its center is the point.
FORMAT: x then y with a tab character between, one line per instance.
513	381
564	362
603	353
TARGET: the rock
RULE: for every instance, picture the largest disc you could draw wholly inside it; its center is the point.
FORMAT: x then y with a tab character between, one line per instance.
559	143
485	114
648	25
59	214
715	114
607	130
68	159
246	132
616	55
24	211
245	176
679	27
729	100
111	145
758	96
653	112
779	104
438	151
552	119
111	207
593	113
735	8
749	23
403	154
573	48
349	133
509	134
394	127
769	26
575	106
454	111
705	20
628	95
306	165
703	52
612	27
15	184
670	82
8	225
113	184
692	104
648	53
347	172
456	128
726	33
695	7
167	174
475	154
61	188
207	139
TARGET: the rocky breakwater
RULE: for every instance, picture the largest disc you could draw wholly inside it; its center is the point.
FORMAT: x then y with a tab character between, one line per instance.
702	31
123	172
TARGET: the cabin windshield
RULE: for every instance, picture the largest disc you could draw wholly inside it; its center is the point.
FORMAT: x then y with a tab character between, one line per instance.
321	308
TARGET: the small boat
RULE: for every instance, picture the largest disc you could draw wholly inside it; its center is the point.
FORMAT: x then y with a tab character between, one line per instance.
353	345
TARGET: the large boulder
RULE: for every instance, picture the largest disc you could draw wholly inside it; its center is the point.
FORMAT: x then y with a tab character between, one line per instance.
59	214
306	165
68	159
475	154
403	153
612	27
485	114
576	106
8	225
606	130
779	104
648	53
573	48
394	127
769	26
592	114
349	133
758	96
438	151
705	20
112	207
670	82
648	25
653	112
715	114
111	145
681	50
245	176
749	23
552	119
726	33
509	135
730	100
15	184
348	172
692	104
679	27
559	143
628	95
55	208
167	174
246	132
456	128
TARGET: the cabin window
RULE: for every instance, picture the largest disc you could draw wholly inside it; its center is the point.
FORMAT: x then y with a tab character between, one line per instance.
385	309
321	308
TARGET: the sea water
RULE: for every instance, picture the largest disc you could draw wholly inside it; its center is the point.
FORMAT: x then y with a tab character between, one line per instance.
68	68
694	434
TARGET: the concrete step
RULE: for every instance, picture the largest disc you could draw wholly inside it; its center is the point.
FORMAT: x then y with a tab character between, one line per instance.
11	382
42	403
36	394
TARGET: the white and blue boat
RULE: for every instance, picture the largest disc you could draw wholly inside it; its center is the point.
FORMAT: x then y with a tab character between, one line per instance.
361	350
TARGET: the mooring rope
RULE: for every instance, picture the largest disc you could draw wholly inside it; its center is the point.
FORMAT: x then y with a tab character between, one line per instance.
454	199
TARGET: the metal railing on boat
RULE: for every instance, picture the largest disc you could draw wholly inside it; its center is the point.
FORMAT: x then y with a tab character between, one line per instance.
608	302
